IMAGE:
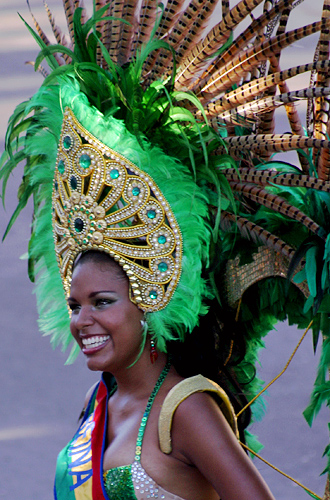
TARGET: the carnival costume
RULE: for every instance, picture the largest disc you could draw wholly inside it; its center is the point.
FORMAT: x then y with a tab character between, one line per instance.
154	139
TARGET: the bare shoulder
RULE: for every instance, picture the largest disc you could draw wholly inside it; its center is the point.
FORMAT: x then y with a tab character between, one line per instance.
200	411
202	437
198	421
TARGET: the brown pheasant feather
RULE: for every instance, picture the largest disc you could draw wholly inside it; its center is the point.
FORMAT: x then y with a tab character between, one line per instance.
213	41
104	28
183	35
170	16
232	72
44	37
250	90
148	15
241	42
127	47
225	7
276	203
322	104
266	125
59	35
270	177
255	233
69	12
270	142
56	30
114	29
252	109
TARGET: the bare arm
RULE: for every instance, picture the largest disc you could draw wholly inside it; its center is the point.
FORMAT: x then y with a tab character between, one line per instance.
203	437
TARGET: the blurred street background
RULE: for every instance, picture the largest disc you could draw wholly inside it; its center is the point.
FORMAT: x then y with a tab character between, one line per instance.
41	397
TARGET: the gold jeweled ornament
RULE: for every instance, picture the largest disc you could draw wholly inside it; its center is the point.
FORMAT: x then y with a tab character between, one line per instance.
102	201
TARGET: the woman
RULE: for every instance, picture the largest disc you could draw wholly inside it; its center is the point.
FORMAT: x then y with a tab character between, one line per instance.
206	461
138	169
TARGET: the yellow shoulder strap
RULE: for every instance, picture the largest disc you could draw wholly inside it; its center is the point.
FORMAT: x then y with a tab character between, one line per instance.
179	393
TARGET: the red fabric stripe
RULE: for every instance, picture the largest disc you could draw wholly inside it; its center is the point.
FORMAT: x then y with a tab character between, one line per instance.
97	440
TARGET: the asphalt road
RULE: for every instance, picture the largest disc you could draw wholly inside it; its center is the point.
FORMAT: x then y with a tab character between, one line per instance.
41	397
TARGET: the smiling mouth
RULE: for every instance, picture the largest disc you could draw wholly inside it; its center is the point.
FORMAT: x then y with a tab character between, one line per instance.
93	342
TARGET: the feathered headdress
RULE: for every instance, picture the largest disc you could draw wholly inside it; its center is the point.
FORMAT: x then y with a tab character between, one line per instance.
195	107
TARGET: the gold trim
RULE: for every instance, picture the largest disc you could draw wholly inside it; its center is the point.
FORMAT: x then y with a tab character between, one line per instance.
102	201
182	391
266	263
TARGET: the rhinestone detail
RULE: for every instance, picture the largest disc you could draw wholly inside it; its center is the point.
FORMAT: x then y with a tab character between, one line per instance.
67	142
136	226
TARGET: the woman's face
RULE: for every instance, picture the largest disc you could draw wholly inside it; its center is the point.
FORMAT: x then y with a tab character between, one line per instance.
104	322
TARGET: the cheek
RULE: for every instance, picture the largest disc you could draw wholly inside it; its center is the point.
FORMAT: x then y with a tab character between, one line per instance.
73	328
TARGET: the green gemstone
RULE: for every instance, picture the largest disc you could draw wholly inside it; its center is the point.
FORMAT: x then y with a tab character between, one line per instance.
78	225
162	266
153	294
56	186
135	191
85	161
114	174
67	142
161	239
151	214
73	182
61	167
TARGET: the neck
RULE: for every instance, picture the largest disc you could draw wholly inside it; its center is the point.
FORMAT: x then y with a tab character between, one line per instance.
140	378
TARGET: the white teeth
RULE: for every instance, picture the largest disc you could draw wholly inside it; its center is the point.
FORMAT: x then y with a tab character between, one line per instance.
92	342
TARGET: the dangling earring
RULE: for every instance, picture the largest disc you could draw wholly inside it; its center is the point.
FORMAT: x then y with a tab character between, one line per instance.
153	352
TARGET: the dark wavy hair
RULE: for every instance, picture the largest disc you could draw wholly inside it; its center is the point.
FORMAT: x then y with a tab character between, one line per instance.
213	349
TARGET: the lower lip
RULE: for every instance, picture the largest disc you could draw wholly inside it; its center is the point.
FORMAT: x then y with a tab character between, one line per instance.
93	350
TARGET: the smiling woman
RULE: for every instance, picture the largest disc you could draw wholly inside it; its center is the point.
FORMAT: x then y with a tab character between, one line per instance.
149	158
108	327
104	322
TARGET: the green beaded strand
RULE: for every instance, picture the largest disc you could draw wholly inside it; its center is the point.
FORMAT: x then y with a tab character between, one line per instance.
138	449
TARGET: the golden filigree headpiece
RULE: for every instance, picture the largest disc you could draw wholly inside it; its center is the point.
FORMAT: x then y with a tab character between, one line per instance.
103	201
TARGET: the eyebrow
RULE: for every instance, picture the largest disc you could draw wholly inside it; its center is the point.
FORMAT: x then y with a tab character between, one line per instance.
93	294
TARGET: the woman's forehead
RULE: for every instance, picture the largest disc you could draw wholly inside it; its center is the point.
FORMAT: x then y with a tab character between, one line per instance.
108	270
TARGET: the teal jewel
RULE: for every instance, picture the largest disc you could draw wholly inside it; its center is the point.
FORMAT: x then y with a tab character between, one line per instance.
67	142
85	161
161	239
151	214
114	174
73	182
153	294
61	167
118	482
135	191
79	225
56	186
162	266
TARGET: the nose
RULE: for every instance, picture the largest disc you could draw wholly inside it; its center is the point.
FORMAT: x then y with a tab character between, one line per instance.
82	318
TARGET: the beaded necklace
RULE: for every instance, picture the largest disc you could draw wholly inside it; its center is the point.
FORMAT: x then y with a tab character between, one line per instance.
145	417
118	481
